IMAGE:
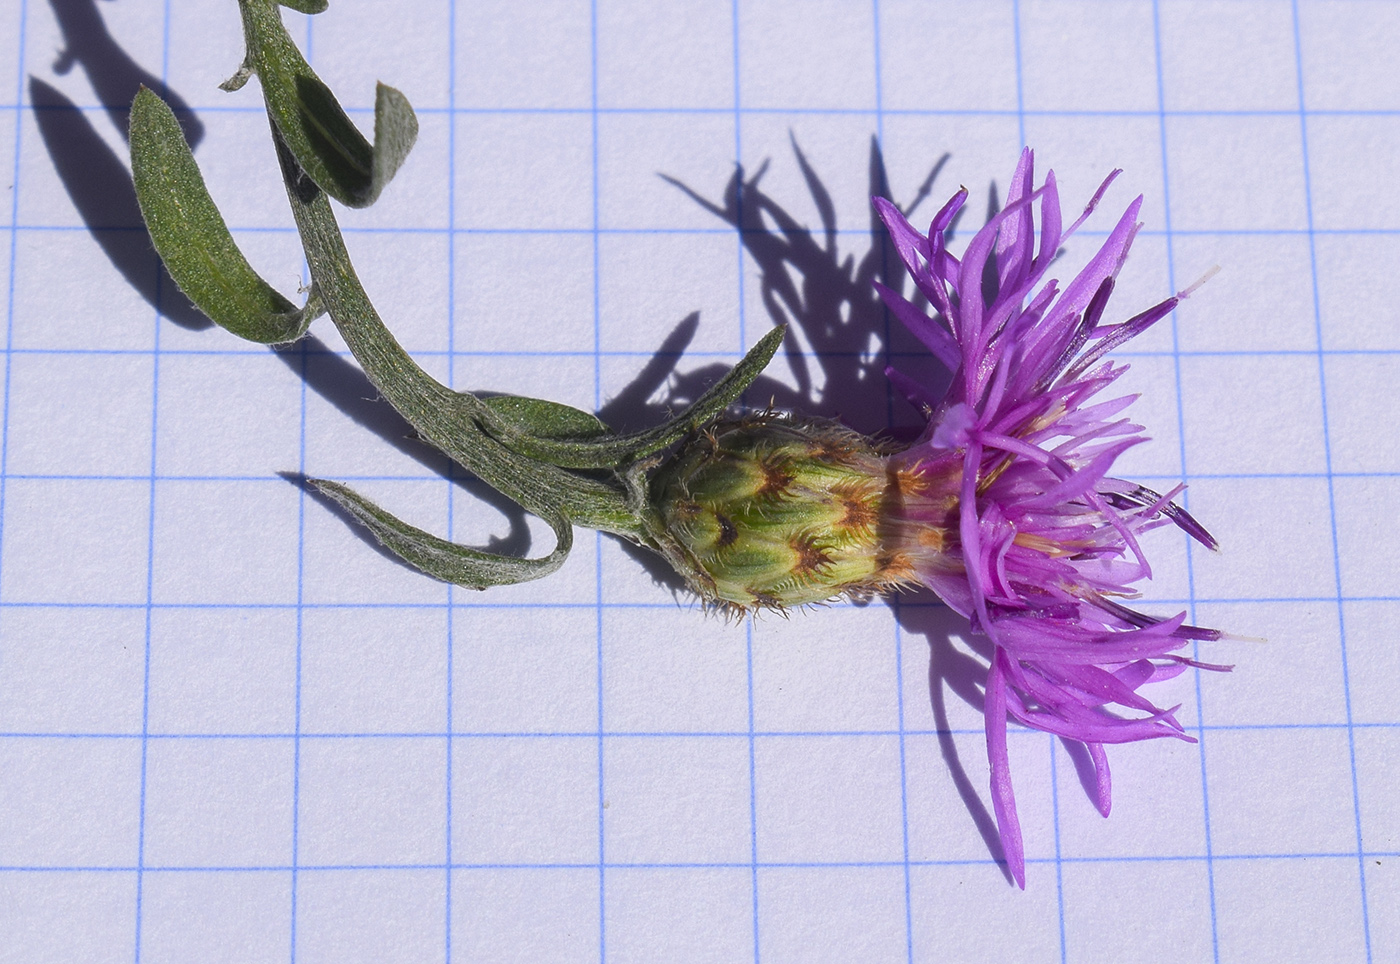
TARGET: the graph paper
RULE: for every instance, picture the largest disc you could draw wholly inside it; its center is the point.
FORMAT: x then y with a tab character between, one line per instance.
232	729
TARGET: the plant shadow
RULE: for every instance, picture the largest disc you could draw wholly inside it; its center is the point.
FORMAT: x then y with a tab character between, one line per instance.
961	671
841	336
115	77
96	179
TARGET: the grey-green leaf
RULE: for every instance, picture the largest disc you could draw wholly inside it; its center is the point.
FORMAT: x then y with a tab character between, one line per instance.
395	130
445	560
545	419
327	146
620	449
307	6
192	238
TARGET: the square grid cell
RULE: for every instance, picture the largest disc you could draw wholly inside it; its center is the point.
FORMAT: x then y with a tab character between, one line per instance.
233	728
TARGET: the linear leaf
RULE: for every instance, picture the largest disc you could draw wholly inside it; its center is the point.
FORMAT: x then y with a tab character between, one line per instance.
546	419
326	144
395	130
620	449
445	560
192	238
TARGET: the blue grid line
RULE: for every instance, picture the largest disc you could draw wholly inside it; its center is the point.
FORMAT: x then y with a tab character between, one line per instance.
739	228
898	629
1331	490
1008	112
527	230
704	865
1180	428
894	353
1059	859
1186	497
1083	232
294	890
15	187
451	592
425	477
630	734
753	788
296	735
672	606
138	936
597	537
294	910
1054	783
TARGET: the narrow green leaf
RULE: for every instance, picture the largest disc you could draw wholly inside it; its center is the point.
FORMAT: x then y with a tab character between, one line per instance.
326	144
546	419
395	130
307	6
619	450
445	560
192	238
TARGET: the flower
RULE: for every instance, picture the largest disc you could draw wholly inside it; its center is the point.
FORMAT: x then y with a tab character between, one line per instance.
1006	507
1003	507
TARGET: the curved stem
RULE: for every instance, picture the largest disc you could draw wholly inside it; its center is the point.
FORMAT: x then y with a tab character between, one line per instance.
446	418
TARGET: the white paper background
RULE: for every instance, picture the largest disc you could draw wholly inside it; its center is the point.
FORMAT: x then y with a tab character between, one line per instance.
232	730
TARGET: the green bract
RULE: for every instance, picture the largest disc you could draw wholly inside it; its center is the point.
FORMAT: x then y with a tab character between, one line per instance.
560	463
778	512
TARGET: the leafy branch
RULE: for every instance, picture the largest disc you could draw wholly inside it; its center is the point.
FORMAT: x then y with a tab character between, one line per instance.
558	462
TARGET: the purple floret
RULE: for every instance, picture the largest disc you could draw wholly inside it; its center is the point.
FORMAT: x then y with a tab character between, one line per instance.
1045	539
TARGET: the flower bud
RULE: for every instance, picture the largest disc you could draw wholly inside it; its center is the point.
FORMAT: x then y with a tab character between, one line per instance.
777	512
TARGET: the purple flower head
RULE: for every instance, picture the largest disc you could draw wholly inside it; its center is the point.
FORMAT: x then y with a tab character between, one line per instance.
1009	511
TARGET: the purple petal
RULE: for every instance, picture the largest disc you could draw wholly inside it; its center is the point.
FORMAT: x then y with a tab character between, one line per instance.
945	215
1121	333
1105	780
1094	201
913	247
1016	236
1049	224
1003	796
922	327
1103	264
918	396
